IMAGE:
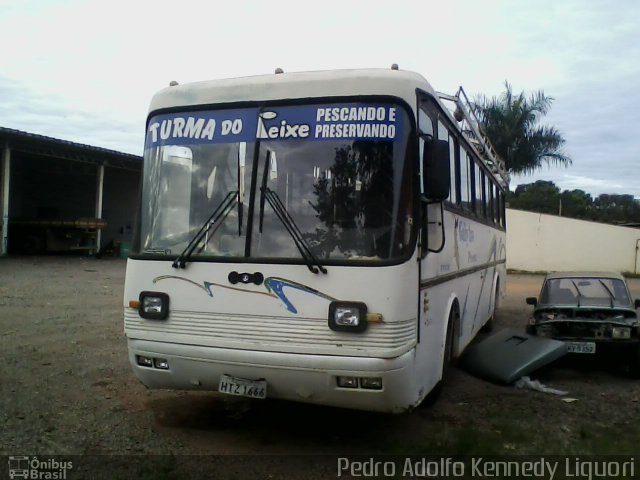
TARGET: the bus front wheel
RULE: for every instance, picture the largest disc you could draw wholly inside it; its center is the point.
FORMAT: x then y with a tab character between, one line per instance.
447	358
488	327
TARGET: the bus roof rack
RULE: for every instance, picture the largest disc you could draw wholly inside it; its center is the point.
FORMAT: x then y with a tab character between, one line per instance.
463	112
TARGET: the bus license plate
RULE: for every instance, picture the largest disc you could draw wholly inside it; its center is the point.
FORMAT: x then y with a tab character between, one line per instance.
242	387
581	347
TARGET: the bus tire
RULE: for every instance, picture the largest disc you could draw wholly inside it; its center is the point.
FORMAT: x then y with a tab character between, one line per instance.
488	327
447	358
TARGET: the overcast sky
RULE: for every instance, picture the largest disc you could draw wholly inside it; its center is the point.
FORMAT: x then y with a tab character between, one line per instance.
85	71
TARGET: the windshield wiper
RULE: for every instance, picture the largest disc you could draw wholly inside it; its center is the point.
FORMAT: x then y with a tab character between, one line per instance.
612	297
310	260
577	290
281	212
219	213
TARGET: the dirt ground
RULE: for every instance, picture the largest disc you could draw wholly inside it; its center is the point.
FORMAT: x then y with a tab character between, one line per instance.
66	388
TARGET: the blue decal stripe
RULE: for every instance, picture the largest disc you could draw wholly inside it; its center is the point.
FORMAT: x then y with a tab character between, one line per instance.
274	285
353	121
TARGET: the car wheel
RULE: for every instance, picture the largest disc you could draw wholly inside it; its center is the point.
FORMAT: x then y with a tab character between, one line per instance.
634	364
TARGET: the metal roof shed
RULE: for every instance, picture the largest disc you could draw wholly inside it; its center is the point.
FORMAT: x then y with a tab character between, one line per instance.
57	195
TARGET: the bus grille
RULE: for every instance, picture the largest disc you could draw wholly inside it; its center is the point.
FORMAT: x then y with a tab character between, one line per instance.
276	334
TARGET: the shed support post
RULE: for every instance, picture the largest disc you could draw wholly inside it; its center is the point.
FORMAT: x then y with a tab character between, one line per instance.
99	191
5	167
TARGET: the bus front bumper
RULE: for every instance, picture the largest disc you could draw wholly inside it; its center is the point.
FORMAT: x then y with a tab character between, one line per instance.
297	377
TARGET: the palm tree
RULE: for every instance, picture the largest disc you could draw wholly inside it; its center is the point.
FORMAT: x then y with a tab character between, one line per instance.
511	123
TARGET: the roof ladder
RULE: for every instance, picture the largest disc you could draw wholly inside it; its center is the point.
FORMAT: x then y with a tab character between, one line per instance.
462	111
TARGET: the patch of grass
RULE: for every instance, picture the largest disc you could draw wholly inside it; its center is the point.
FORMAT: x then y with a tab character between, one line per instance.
140	467
157	468
514	271
602	440
469	440
507	433
630	275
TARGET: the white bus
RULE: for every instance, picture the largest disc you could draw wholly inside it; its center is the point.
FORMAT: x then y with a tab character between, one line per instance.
331	237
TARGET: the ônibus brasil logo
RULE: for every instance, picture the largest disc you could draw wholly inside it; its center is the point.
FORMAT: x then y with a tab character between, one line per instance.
34	468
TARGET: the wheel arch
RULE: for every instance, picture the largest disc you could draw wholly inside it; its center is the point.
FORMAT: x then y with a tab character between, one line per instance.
495	292
454	306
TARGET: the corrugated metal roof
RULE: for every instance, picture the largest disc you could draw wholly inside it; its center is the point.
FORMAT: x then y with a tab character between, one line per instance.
35	143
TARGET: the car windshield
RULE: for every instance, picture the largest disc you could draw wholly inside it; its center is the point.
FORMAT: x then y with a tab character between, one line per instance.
586	291
338	175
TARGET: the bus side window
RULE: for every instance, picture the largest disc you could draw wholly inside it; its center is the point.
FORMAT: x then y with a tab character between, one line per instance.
465	180
454	197
425	128
492	201
478	201
474	185
495	203
488	202
443	134
425	124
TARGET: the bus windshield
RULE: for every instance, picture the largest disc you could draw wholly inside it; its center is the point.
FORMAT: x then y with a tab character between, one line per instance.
336	178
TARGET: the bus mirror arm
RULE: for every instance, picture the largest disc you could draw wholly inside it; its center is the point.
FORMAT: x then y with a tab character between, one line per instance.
439	222
426	222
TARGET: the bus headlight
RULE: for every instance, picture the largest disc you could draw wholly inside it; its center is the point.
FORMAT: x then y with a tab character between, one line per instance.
348	316
154	305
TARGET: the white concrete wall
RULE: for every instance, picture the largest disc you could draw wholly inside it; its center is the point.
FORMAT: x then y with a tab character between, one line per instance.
538	242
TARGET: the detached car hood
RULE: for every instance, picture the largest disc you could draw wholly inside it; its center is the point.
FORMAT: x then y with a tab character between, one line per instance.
508	355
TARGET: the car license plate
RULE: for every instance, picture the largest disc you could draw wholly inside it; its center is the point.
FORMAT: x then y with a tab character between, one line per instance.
242	387
581	347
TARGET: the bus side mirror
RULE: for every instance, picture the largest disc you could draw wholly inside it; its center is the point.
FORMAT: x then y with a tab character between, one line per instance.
637	303
435	170
532	301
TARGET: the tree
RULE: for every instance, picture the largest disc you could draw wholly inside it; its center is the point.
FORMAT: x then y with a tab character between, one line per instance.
612	208
545	197
541	196
576	204
350	208
511	123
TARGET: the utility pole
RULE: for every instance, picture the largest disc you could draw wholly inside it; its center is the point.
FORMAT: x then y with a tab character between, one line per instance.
560	207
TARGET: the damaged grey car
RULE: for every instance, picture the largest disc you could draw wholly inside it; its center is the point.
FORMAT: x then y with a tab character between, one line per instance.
591	312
